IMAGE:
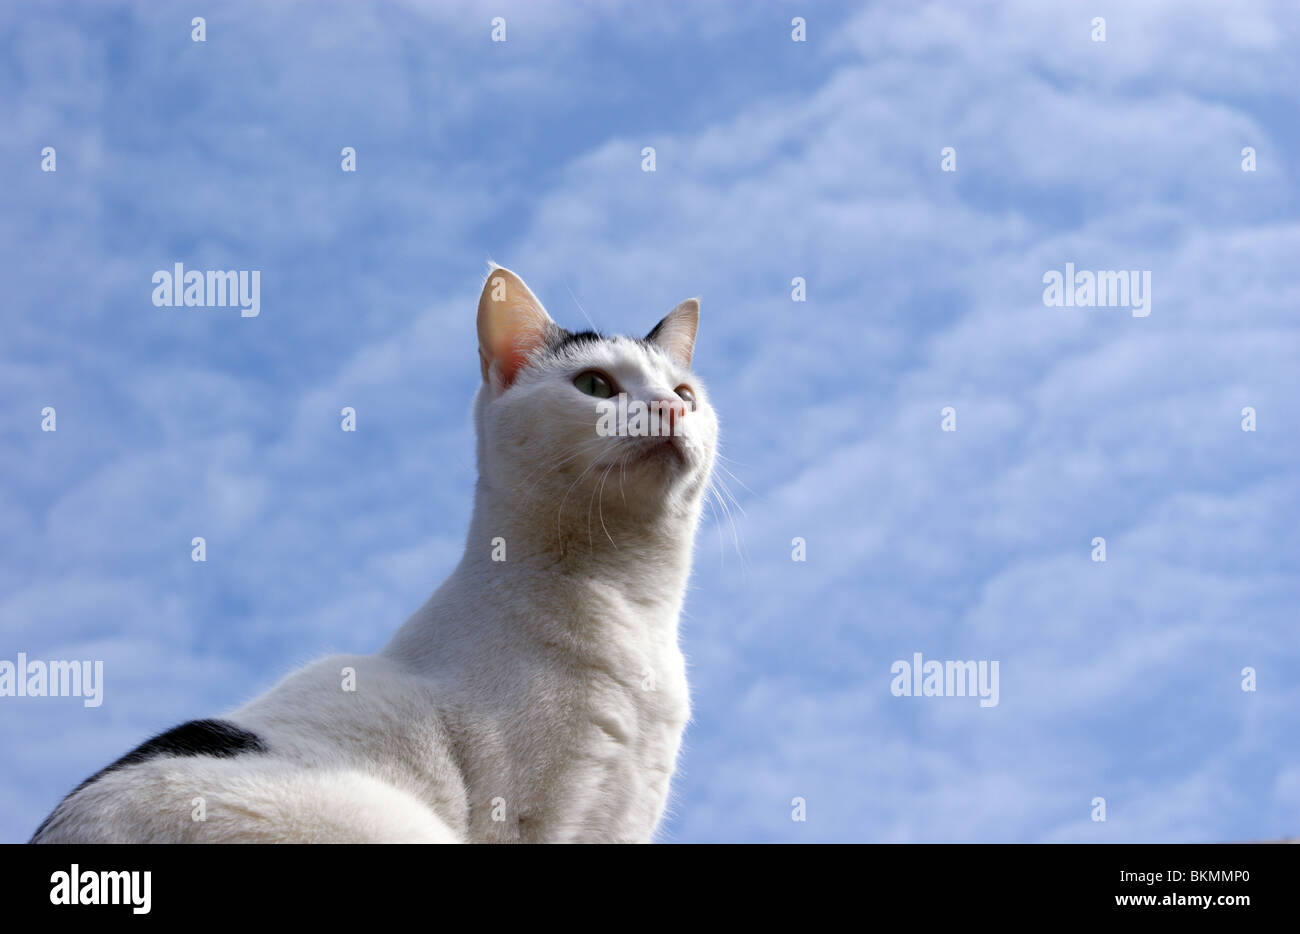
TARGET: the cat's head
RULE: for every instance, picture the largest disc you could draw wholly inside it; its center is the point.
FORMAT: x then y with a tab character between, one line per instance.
576	421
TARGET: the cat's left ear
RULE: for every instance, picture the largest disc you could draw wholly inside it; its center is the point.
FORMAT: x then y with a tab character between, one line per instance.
511	324
676	332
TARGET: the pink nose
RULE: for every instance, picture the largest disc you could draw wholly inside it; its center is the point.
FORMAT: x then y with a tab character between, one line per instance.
670	409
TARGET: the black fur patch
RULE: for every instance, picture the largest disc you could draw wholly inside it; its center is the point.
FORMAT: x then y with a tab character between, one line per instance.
581	337
589	337
218	738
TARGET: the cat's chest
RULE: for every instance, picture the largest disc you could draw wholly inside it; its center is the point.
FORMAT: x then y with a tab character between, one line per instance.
601	745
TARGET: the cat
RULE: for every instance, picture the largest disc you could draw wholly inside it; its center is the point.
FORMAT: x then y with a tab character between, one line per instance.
540	694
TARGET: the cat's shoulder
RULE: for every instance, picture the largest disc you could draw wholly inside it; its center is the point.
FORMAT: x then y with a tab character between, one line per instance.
341	688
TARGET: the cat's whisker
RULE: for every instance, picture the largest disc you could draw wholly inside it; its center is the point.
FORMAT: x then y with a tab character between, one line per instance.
738	480
598	494
580	308
587	447
717	487
717	524
601	503
723	488
559	514
622	473
735	534
732	460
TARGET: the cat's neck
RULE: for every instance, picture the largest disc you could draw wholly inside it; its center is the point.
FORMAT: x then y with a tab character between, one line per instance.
534	569
586	532
584	544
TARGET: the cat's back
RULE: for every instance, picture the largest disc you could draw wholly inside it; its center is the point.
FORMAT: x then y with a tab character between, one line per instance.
350	748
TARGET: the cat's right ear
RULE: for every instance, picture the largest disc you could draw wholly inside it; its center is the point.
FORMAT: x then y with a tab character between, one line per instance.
511	324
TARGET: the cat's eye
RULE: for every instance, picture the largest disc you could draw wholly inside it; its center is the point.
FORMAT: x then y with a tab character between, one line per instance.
684	392
594	383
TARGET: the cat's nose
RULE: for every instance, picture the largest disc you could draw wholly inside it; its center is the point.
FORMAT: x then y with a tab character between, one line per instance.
674	410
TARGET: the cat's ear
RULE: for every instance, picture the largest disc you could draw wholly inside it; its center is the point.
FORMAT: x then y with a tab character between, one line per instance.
511	324
676	332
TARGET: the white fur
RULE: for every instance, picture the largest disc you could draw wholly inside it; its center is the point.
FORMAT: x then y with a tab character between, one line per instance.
541	698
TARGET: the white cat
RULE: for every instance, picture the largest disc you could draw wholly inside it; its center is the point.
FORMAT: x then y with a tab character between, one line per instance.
539	695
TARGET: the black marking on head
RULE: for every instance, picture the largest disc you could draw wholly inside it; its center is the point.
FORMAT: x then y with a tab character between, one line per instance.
219	738
564	339
568	338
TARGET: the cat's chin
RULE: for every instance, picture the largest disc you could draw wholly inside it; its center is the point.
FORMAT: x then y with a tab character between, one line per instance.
651	463
667	454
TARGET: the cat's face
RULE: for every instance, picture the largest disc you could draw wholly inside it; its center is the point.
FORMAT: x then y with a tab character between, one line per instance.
593	428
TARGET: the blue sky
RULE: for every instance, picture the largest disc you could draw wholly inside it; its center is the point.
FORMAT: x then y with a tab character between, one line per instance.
774	159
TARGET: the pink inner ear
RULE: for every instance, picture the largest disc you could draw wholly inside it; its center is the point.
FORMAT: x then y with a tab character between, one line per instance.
509	362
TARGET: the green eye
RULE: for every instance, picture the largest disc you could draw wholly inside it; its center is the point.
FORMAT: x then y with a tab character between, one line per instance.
594	384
